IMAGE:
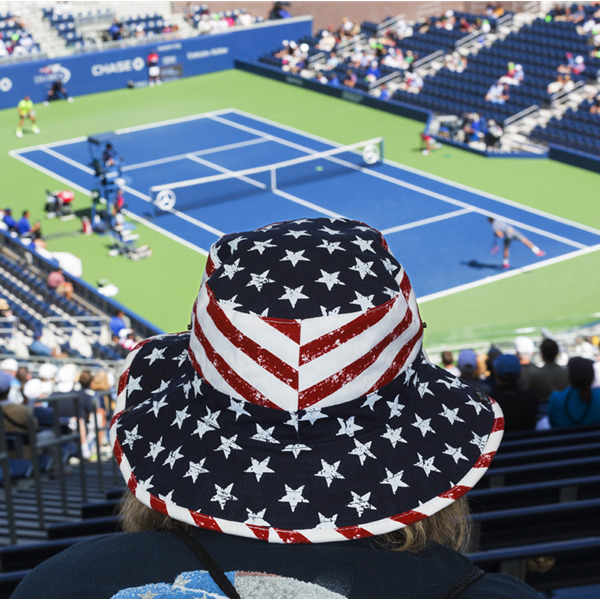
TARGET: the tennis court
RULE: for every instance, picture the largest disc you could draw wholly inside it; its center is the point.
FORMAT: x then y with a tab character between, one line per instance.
438	229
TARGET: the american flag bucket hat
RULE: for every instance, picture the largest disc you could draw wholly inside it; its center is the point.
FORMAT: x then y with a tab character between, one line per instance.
300	406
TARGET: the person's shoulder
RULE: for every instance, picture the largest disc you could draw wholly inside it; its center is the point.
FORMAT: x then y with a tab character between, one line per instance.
499	585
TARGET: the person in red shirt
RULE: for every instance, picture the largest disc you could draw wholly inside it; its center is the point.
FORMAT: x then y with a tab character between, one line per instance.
153	61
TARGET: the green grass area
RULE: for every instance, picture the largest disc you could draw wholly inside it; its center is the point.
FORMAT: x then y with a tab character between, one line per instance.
163	287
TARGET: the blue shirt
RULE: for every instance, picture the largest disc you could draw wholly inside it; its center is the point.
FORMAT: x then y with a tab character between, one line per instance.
23	225
567	409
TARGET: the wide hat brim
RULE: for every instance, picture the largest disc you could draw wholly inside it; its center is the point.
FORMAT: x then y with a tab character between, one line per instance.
364	468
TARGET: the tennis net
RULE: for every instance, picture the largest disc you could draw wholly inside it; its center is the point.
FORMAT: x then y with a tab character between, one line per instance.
230	185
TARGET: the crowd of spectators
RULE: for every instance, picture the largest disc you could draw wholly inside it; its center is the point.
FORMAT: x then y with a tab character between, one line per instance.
536	387
15	39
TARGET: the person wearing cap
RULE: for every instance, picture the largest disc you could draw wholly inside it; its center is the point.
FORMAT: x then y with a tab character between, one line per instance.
25	110
470	373
9	220
579	403
292	437
507	233
524	350
11	366
39	348
520	406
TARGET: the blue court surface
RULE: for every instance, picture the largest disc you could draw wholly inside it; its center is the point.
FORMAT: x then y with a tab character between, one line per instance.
438	230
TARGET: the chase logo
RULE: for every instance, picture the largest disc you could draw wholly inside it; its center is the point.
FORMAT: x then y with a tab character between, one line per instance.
51	73
5	84
119	66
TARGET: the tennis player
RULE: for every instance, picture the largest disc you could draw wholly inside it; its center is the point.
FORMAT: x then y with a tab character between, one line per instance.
507	233
25	110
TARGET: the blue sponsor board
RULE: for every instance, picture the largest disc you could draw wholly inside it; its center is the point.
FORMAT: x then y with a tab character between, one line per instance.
126	67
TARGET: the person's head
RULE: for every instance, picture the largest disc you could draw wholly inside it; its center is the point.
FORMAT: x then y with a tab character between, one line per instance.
492	354
581	375
25	214
447	358
5	383
467	363
85	379
506	369
549	350
524	349
300	406
10	366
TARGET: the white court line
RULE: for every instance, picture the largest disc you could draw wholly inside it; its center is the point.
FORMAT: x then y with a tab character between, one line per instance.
508	274
175	121
68	160
176	157
450	215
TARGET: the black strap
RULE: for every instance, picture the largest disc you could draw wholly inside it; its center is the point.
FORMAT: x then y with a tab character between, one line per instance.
456	590
208	563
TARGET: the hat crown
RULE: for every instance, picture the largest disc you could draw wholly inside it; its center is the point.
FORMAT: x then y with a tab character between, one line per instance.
303	313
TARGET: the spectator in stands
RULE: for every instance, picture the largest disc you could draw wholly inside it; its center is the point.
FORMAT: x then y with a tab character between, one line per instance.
473	128
456	62
524	350
56	281
578	404
414	83
563	83
448	363
514	74
334	80
56	92
498	93
26	229
279	10
493	135
350	79
9	220
239	468
469	370
15	415
39	348
25	110
595	107
153	63
23	376
383	92
551	376
115	31
11	366
118	324
520	406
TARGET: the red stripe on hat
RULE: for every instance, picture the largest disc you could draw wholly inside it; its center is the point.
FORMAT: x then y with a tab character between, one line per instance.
328	342
331	384
400	359
484	460
405	286
204	521
455	492
158	505
265	359
118	452
410	517
287	327
353	533
260	531
123	380
498	424
241	386
210	266
132	484
116	417
291	537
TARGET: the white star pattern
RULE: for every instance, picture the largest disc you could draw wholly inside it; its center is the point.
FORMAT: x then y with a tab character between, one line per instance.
161	388
187	386
361	503
233	244
455	453
329	472
423	425
131	437
155	449
394	435
363	268
295	449
312	415
143	485
228	444
231	304
229	270
371	400
262	246
264	435
259	468
332	246
181	358
394	480
180	417
348	427
364	245
328	230
295	257
424	389
293	497
327	522
293	420
451	414
156	354
237	406
223	495
257	518
197	385
133	384
293	295
208	423
297	233
157	405
479	441
174	456
329	279
395	407
389	266
259	280
452	383
195	469
362	451
365	302
426	464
